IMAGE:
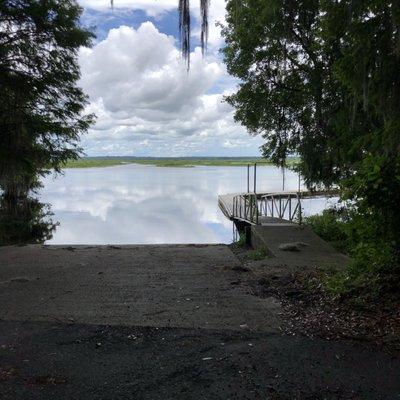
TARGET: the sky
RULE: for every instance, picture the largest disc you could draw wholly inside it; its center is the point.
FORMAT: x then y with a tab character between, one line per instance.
145	101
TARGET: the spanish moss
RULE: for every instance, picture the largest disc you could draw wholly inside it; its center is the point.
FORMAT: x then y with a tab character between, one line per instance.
184	29
204	8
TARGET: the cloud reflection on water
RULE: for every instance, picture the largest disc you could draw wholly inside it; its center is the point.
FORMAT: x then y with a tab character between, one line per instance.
148	204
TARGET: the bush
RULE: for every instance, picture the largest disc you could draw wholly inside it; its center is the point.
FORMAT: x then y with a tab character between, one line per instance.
373	272
332	226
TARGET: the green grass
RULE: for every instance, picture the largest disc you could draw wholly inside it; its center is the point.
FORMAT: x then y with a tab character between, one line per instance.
258	254
242	240
182	162
93	163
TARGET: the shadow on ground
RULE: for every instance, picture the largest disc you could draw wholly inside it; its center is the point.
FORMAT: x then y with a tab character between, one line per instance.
41	360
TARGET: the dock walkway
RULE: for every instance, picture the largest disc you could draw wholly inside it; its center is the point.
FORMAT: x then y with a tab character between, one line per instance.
226	204
267	207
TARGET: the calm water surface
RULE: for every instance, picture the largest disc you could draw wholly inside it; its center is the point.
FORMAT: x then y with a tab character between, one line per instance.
147	204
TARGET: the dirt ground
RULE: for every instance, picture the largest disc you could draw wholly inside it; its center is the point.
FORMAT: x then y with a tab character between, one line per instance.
165	322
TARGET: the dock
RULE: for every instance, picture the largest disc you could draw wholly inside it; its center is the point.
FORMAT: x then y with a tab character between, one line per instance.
267	207
227	204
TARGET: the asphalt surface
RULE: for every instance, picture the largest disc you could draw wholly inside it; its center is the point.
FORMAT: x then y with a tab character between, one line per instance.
223	343
190	286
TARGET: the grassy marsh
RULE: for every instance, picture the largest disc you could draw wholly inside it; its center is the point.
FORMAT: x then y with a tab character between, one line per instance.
182	162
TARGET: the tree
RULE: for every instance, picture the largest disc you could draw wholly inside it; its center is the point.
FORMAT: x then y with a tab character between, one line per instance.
286	92
41	106
321	79
28	222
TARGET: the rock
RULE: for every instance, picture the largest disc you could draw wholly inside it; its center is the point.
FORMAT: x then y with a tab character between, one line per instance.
132	337
292	246
302	244
289	247
20	280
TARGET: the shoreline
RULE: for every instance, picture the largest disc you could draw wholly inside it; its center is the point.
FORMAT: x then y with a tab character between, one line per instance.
164	162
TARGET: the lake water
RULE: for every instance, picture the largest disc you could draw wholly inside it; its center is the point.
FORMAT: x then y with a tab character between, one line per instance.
146	204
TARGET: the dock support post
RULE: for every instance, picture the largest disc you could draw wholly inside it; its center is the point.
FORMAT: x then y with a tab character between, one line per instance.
248	178
255	177
300	211
283	178
299	181
247	232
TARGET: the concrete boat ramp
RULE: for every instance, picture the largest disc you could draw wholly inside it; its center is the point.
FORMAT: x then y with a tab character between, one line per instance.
188	286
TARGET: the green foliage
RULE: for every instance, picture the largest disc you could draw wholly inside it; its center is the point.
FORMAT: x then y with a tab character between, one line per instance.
258	254
41	106
317	78
332	226
24	221
242	240
321	79
376	189
373	271
372	275
272	48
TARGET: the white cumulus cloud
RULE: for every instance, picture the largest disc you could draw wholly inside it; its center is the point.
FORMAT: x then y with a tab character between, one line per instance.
147	103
